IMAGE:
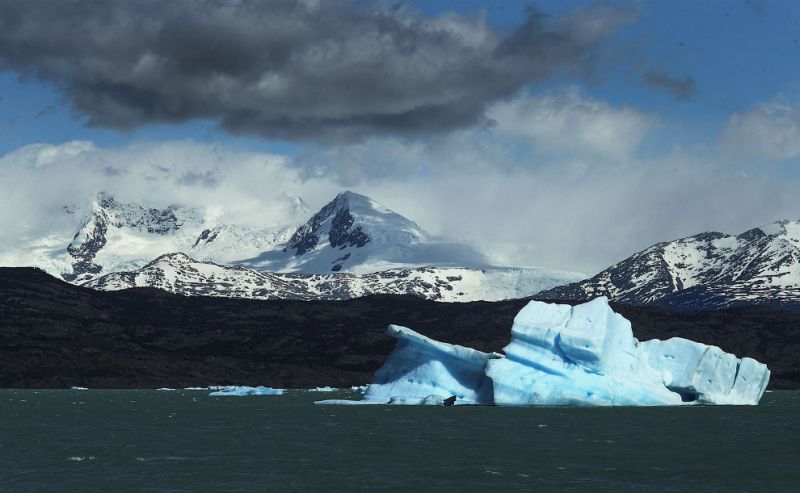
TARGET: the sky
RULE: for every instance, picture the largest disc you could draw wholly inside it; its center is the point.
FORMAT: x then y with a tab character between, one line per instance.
561	134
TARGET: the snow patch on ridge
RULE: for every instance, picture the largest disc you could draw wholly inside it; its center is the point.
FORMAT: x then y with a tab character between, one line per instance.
180	274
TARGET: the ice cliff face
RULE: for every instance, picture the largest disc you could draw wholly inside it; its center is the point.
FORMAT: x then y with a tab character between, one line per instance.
705	271
567	356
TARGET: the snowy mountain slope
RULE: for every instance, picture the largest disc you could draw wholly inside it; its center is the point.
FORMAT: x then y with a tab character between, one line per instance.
180	274
373	249
708	270
354	233
116	236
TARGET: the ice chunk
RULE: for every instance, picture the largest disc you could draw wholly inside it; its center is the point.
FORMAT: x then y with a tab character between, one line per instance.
751	382
347	402
422	369
706	374
359	389
431	400
323	389
238	391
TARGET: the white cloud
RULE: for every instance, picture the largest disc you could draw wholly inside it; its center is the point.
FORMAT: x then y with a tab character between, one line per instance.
770	130
38	155
590	203
36	181
565	122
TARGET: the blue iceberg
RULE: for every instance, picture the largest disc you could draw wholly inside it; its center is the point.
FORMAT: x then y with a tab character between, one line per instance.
561	355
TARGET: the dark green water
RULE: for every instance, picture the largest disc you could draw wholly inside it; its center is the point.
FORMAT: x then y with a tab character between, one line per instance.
119	441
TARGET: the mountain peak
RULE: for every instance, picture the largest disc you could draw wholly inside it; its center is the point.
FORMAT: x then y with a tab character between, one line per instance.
105	200
351	220
355	233
358	203
347	195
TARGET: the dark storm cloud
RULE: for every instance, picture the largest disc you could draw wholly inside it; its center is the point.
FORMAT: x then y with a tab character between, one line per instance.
682	89
317	70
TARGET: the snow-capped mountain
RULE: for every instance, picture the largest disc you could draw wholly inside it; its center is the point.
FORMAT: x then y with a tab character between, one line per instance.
352	247
708	270
354	233
117	236
180	274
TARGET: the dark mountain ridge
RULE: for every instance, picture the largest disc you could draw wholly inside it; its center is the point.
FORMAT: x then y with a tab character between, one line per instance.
55	335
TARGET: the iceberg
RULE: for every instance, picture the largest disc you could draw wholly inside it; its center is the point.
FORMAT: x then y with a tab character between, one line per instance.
560	355
240	391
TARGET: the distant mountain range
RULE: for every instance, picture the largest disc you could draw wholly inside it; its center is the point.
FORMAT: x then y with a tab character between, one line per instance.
180	274
352	247
704	271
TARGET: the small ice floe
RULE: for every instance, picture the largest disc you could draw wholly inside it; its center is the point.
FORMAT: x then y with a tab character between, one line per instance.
431	400
323	389
81	459
359	389
195	388
239	391
166	389
79	388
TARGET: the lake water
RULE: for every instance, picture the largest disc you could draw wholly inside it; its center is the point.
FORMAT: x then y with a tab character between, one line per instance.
145	440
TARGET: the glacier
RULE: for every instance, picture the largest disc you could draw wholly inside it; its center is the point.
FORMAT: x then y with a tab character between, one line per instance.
560	355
